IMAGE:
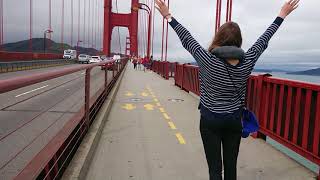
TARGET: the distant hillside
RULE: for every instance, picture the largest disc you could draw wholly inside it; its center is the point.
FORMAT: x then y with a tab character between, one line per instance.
51	47
311	72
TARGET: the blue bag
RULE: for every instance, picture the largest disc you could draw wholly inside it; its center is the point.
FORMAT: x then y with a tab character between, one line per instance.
250	123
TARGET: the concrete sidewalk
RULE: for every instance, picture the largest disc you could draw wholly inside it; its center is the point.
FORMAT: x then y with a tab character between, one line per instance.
152	133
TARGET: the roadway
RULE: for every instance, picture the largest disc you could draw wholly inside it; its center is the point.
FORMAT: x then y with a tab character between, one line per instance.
32	115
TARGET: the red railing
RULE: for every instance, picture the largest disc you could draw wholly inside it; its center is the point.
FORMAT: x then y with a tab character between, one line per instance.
22	56
288	111
51	161
161	68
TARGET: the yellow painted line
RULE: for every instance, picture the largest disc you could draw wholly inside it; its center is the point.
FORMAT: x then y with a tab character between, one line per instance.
162	110
129	107
180	138
172	126
156	100
165	115
149	107
144	94
158	104
129	94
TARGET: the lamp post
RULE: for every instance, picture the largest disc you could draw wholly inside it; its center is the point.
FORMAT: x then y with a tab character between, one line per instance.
45	38
149	26
78	46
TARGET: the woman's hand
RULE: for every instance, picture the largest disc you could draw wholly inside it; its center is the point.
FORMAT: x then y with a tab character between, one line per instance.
288	7
163	8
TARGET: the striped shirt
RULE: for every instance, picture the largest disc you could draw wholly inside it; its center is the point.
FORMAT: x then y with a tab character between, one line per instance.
218	92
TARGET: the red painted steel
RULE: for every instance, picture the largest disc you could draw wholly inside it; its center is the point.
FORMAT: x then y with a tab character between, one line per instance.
22	56
112	20
288	111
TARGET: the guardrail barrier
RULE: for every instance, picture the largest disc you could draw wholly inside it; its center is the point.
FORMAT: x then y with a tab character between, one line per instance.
288	111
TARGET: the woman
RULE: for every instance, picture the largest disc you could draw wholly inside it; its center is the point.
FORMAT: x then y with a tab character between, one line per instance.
223	73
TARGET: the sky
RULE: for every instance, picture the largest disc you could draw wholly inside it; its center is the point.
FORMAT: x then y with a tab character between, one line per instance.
296	42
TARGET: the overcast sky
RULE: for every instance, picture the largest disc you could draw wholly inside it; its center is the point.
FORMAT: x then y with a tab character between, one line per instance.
297	41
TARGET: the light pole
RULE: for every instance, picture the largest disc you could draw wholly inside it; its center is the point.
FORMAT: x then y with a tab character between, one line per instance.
149	26
78	46
45	38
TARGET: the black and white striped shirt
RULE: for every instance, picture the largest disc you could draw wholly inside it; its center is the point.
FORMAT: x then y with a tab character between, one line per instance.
218	93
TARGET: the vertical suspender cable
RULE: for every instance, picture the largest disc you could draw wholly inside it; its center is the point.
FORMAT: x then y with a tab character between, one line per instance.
30	26
1	24
95	23
227	13
166	52
89	23
92	15
71	23
162	41
119	40
153	19
50	23
62	25
79	1
84	21
230	10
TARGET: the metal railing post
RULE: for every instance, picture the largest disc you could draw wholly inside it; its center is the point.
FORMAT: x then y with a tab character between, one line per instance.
105	78
87	96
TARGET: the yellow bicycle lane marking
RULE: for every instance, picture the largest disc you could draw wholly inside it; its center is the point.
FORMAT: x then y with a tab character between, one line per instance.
129	107
179	136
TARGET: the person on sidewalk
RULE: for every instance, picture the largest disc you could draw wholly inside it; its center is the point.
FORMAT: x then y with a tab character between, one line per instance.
223	71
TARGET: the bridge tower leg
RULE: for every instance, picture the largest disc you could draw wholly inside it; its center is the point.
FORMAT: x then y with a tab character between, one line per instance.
112	20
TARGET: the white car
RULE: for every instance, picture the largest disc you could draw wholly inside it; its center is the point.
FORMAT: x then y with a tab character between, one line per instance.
69	54
95	59
117	58
83	58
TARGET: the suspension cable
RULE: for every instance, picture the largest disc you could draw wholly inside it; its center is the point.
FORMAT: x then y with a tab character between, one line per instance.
71	23
62	25
162	41
167	36
153	23
119	39
30	24
1	24
84	23
79	1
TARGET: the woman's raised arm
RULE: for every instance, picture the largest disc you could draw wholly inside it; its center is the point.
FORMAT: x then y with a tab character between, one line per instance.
262	43
201	55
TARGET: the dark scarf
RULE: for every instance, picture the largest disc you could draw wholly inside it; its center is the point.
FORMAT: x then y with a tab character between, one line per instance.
229	52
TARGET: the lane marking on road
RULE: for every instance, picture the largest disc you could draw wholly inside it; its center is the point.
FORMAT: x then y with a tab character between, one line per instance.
129	107
129	94
180	138
144	94
149	107
162	110
32	91
158	104
172	126
165	115
156	100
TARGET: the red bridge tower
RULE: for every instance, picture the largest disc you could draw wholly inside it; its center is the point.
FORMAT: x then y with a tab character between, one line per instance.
112	20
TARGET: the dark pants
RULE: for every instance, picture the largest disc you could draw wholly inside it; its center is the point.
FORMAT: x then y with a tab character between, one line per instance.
226	130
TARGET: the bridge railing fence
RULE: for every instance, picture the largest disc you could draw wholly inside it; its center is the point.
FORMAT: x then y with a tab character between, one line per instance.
288	111
23	56
53	159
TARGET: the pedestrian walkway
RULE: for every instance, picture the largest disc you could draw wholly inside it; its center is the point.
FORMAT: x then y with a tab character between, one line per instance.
152	133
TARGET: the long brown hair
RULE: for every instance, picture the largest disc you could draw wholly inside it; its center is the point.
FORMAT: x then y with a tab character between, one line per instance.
229	34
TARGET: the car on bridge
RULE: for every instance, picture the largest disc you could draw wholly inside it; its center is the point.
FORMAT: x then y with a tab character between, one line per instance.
84	58
95	59
69	54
